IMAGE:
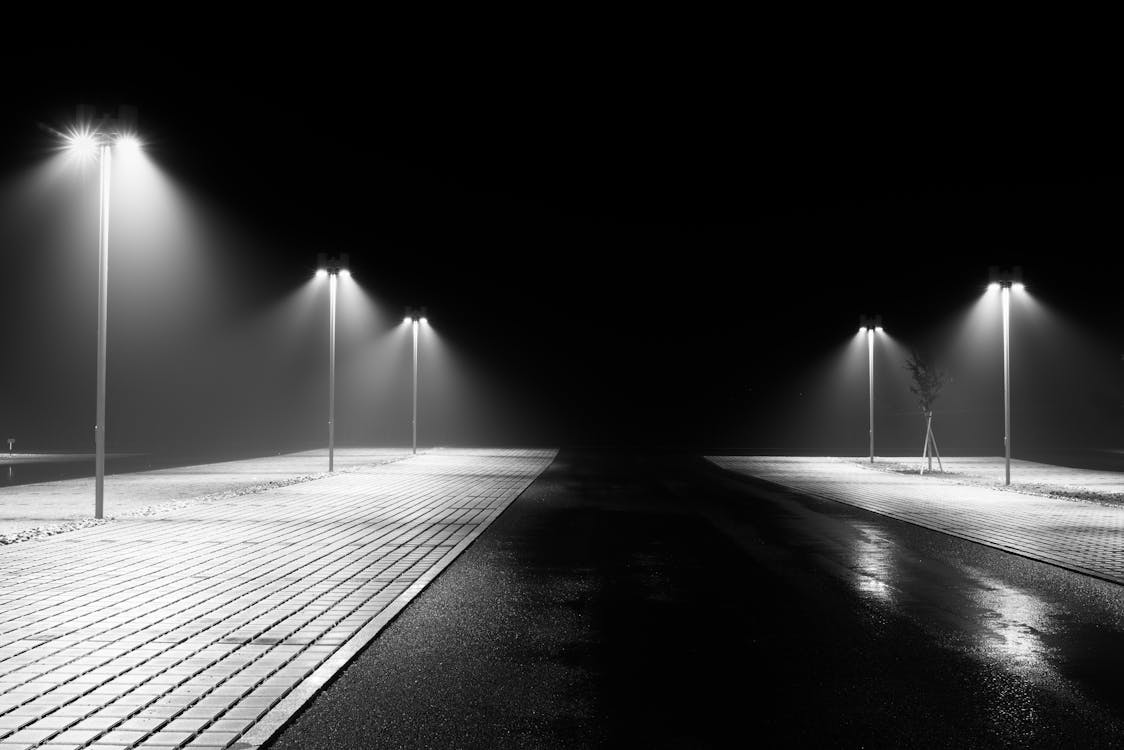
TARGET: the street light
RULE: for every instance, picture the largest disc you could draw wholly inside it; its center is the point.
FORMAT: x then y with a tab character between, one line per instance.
333	268
96	138
870	324
416	317
1005	280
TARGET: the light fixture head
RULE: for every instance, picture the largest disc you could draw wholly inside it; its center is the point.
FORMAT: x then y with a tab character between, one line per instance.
416	314
336	265
126	141
93	131
82	142
1006	277
870	322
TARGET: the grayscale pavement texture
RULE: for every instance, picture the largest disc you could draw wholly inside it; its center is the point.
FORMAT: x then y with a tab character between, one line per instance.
1083	535
211	624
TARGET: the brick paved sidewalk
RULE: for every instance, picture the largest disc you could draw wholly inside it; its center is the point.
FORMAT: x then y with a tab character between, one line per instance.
209	627
1083	536
68	503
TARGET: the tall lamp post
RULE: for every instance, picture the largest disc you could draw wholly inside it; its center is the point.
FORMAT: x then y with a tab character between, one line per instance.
870	324
416	317
333	268
1006	280
96	137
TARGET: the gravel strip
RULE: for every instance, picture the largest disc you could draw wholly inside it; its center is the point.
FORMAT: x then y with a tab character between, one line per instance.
1073	489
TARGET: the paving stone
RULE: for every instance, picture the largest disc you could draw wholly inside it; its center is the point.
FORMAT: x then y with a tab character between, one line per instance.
229	612
29	737
54	721
1082	535
99	722
75	736
167	739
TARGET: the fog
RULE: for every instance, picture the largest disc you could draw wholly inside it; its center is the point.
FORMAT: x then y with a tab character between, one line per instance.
1065	389
216	344
218	330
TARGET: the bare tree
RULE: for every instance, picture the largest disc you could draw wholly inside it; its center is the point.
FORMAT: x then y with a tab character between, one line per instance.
928	380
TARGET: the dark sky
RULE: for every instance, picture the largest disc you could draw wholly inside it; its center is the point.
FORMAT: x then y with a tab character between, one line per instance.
647	237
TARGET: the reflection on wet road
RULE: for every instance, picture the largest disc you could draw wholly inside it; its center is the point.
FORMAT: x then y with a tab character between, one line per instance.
994	618
1012	622
873	564
635	600
1051	630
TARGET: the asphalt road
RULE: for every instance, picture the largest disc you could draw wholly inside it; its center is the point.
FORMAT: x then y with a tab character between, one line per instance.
631	600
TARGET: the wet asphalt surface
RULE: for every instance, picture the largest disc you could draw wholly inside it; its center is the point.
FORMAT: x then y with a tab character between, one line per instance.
630	600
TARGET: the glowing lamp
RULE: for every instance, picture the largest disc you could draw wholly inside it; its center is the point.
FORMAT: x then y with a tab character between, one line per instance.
337	265
1009	279
415	315
86	141
127	141
1012	277
82	143
101	130
334	267
870	324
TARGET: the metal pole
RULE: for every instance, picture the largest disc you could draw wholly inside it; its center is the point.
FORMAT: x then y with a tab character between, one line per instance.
415	421
332	281
870	397
1006	293
103	291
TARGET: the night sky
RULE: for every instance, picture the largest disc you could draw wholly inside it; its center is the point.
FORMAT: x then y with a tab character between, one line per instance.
651	243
